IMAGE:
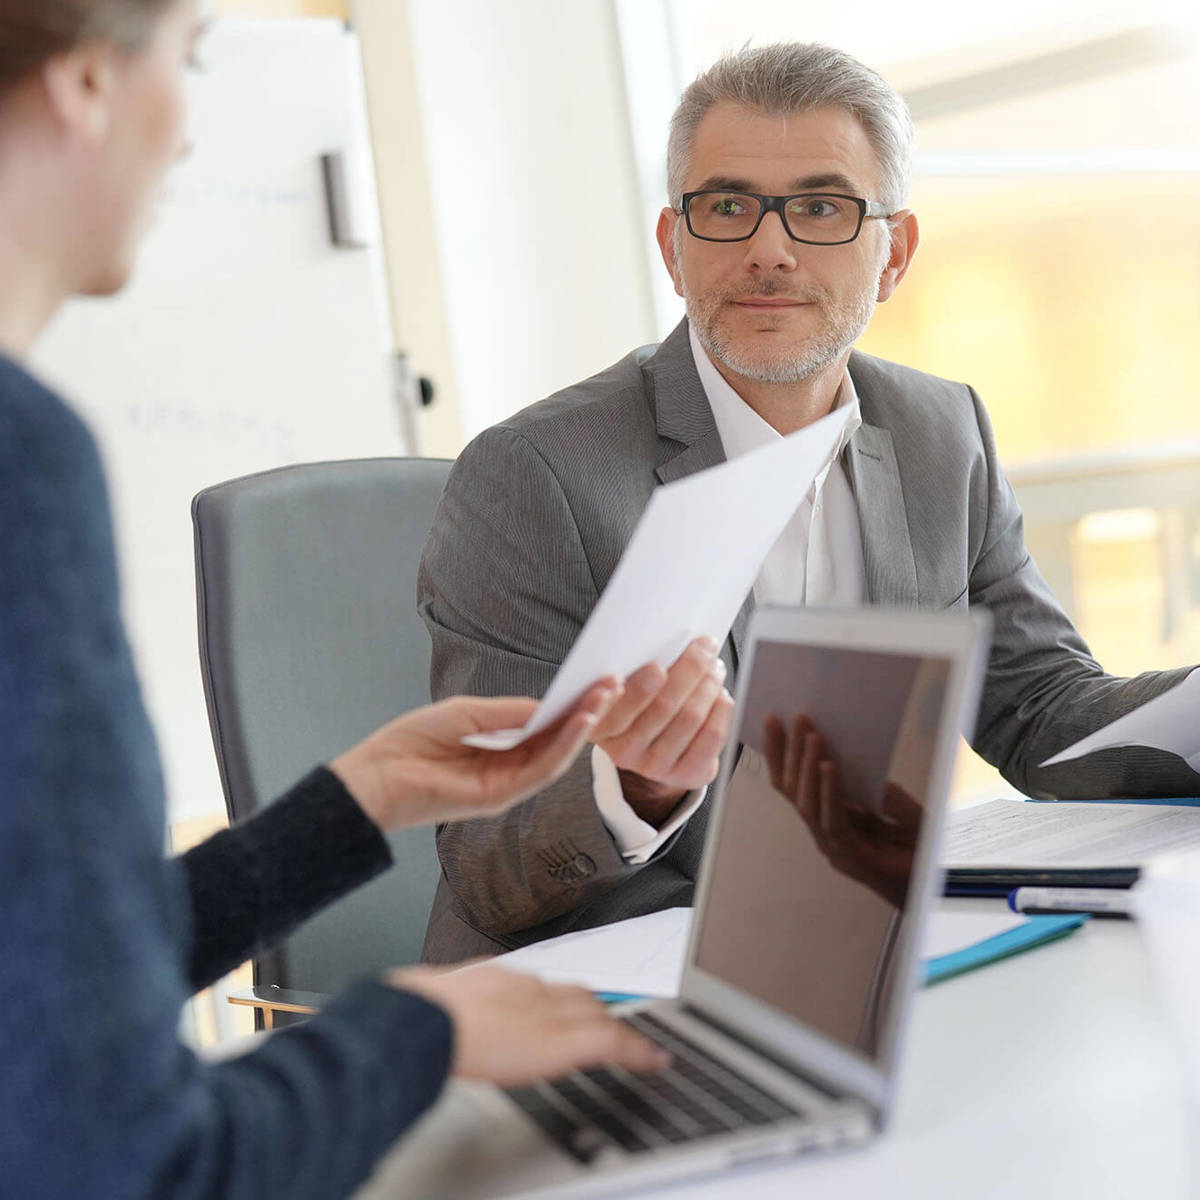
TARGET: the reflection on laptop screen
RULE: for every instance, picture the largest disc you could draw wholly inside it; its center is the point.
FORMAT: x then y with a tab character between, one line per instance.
809	883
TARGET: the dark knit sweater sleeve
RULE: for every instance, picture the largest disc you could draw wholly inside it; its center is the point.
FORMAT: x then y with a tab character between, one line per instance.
310	1111
98	1097
253	884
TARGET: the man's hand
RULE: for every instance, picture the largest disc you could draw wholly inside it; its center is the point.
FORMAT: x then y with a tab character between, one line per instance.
512	1029
415	770
666	732
877	850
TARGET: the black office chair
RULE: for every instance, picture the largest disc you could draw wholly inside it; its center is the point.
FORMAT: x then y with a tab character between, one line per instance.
309	640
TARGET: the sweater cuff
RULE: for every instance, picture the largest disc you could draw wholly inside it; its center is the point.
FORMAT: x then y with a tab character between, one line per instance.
253	884
411	1042
333	1094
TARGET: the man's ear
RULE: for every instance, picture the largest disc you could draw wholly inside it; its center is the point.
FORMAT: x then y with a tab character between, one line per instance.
905	235
665	233
79	86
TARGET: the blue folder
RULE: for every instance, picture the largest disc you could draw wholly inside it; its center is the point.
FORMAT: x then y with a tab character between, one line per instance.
1036	931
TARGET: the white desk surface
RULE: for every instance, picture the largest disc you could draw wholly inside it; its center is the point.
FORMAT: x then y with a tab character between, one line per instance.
1051	1074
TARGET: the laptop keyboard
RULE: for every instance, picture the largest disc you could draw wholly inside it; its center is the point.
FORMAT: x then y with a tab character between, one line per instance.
697	1096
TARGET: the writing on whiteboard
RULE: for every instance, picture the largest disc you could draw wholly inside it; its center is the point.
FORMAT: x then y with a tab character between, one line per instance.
205	193
226	425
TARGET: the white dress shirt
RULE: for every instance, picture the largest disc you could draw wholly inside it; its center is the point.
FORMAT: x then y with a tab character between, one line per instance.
818	560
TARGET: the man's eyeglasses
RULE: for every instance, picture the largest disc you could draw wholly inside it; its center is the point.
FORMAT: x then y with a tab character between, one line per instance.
817	218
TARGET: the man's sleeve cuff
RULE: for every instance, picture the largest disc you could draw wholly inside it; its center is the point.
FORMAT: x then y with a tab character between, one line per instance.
637	840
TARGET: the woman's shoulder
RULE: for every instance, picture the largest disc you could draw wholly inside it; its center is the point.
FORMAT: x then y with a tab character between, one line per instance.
38	430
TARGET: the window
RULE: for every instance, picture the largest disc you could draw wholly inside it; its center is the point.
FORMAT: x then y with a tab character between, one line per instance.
1057	181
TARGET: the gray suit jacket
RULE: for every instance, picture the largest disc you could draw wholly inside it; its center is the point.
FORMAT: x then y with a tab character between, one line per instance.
536	514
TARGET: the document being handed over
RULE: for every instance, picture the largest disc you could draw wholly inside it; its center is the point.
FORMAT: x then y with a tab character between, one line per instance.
688	567
1168	722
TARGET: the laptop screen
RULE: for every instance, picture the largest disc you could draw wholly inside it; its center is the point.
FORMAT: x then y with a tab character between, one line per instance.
809	883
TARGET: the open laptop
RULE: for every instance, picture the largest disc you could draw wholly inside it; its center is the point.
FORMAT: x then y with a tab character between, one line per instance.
803	956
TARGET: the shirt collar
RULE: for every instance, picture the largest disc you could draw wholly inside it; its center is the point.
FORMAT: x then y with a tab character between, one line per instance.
740	427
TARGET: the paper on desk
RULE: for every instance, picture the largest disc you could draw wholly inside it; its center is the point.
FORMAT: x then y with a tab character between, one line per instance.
1168	722
1167	905
644	956
1017	833
950	930
688	567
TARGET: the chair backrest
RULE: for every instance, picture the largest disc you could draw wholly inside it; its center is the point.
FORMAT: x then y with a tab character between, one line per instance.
309	640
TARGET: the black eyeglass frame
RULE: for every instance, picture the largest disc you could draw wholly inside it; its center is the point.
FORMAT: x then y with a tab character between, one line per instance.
868	210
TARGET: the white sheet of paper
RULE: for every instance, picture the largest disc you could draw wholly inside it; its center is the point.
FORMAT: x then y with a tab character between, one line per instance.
1168	722
1167	904
688	567
1015	833
644	956
950	930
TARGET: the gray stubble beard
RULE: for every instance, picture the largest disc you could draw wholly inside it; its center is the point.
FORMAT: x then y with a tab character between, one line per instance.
844	325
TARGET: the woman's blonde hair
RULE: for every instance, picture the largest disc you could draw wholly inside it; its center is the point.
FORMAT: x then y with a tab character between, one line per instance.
31	31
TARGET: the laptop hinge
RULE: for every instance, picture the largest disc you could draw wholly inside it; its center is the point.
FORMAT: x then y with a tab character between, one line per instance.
805	1077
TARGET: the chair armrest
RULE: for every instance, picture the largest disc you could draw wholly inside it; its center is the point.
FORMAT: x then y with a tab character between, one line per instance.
271	999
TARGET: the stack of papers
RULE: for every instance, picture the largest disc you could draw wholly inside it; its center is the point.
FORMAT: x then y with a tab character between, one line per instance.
1016	833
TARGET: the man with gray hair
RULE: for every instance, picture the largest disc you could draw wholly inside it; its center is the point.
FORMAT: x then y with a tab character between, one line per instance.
788	171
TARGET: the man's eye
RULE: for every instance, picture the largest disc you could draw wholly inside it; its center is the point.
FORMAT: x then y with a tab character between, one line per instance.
819	208
727	206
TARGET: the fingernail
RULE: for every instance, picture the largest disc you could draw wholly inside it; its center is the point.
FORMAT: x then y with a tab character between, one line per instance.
649	677
708	645
719	668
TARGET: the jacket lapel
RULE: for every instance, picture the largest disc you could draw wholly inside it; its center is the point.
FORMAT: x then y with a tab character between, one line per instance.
681	409
737	634
870	462
707	452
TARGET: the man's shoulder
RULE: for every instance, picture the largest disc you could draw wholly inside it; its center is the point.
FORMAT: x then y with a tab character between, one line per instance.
913	402
894	381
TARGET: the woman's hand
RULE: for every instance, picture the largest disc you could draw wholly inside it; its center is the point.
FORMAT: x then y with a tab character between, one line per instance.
513	1029
416	771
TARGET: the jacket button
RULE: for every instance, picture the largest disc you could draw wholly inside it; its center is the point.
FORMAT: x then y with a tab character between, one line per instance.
583	865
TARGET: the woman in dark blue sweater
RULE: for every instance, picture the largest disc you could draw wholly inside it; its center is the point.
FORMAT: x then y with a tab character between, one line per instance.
101	939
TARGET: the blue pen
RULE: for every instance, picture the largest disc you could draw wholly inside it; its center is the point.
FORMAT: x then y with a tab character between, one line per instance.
617	997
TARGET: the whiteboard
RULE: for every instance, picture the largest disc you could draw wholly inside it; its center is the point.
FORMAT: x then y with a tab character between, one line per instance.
247	340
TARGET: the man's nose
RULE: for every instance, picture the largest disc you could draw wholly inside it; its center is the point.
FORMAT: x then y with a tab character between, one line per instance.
771	248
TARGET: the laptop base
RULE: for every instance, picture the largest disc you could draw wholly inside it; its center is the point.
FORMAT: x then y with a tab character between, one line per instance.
477	1142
